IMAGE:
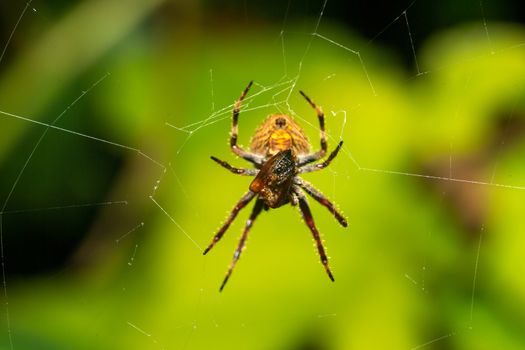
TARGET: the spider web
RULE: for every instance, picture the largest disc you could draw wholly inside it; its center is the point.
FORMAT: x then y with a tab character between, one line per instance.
296	47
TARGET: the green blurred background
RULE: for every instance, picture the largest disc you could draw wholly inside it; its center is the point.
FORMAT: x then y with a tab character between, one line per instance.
109	111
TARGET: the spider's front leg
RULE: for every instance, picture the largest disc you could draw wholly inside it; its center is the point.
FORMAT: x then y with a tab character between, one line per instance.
321	198
248	196
309	221
259	205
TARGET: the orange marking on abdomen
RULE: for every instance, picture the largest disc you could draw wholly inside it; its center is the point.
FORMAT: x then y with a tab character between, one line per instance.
280	140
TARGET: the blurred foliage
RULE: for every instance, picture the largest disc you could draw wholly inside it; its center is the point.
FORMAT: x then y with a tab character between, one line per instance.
429	179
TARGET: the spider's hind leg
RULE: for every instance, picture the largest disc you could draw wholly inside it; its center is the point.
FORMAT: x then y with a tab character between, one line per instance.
322	133
249	156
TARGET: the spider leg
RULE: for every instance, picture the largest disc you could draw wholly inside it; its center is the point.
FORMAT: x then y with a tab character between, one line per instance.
309	221
248	196
319	166
259	205
321	198
253	158
239	171
319	154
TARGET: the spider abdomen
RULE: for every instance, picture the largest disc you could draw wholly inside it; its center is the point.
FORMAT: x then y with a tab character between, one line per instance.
277	133
280	140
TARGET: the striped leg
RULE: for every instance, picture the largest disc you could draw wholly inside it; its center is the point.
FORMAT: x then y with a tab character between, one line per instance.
239	171
256	159
321	198
309	221
248	196
319	154
259	205
314	167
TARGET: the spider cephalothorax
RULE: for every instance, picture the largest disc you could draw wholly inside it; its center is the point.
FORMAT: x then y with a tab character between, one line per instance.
275	178
280	152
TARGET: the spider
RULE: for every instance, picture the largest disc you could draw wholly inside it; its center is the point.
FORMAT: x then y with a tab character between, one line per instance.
280	151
